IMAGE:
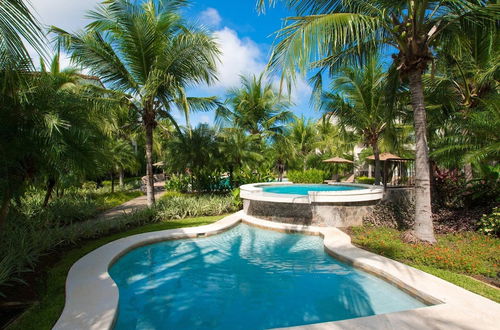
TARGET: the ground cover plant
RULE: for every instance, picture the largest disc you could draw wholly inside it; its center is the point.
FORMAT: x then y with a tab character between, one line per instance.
455	257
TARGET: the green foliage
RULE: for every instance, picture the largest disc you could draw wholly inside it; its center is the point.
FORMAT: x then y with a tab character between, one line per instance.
365	180
308	176
237	201
180	207
490	223
252	175
468	253
178	182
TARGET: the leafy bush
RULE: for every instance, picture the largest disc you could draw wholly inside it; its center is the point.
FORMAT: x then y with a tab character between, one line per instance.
180	183
490	224
308	176
237	201
248	175
365	180
89	185
186	206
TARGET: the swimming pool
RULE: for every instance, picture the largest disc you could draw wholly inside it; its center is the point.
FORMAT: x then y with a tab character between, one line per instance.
245	278
304	189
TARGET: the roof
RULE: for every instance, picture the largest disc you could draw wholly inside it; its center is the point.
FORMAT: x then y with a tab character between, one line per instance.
338	160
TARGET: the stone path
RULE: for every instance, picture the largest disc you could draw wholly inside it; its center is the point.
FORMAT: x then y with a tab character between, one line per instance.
138	203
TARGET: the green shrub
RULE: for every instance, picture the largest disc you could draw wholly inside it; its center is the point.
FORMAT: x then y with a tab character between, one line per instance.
187	206
89	185
490	224
180	183
365	180
237	201
308	176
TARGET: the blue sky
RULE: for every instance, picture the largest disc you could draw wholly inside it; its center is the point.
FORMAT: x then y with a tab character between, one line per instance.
245	38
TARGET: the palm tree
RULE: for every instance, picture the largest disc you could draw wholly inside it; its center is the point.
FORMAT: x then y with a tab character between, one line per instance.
359	106
237	148
257	107
146	50
331	34
303	138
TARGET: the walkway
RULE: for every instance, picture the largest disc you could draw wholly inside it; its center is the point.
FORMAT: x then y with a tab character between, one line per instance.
138	203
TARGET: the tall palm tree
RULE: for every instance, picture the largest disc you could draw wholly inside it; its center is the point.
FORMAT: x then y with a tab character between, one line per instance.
359	104
146	50
331	34
257	107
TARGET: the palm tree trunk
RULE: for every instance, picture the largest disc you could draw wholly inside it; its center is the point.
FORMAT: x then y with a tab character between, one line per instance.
51	183
423	228
112	182
149	162
376	154
121	176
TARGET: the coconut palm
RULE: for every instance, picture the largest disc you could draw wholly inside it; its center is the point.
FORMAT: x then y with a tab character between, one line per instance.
360	106
331	34
303	137
18	23
238	148
257	107
146	50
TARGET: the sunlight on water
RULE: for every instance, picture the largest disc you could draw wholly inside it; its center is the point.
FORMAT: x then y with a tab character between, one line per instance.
303	189
245	278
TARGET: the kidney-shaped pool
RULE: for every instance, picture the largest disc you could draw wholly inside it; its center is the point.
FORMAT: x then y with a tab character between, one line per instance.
245	278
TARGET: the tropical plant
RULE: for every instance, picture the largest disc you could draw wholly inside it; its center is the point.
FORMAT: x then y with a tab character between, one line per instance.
238	148
147	51
360	106
257	107
303	138
331	34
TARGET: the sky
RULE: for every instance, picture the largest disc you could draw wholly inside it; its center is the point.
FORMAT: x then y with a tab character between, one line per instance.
245	38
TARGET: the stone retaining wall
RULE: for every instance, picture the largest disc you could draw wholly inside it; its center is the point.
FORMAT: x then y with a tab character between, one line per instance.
318	214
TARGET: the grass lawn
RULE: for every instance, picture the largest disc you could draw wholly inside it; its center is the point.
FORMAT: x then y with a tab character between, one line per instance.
455	258
44	314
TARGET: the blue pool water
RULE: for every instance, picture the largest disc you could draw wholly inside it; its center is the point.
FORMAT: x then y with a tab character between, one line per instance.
245	278
303	189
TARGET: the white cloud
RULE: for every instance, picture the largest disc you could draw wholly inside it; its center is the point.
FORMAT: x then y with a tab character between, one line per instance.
66	14
210	17
239	57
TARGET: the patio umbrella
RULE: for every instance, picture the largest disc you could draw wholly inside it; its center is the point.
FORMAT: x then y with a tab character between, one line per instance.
384	156
338	160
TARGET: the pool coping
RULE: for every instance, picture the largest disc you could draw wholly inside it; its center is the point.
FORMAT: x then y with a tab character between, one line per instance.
92	296
254	191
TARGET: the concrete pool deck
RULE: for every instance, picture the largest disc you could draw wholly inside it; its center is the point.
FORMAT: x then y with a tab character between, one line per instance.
92	296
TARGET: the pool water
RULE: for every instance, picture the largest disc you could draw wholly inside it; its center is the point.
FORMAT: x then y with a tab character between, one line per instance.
303	189
245	278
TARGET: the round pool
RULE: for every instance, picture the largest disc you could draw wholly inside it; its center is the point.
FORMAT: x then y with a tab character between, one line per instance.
338	204
304	189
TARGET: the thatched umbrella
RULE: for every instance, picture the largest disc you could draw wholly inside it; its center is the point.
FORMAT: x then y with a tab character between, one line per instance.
384	156
337	160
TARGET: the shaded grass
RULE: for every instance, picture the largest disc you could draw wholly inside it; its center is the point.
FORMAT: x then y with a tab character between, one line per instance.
45	313
453	258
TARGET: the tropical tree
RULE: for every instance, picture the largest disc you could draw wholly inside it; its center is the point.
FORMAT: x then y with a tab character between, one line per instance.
303	138
237	148
360	106
17	25
147	51
331	34
257	107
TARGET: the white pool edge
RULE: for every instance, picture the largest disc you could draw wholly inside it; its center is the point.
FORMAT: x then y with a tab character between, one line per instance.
254	191
92	296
